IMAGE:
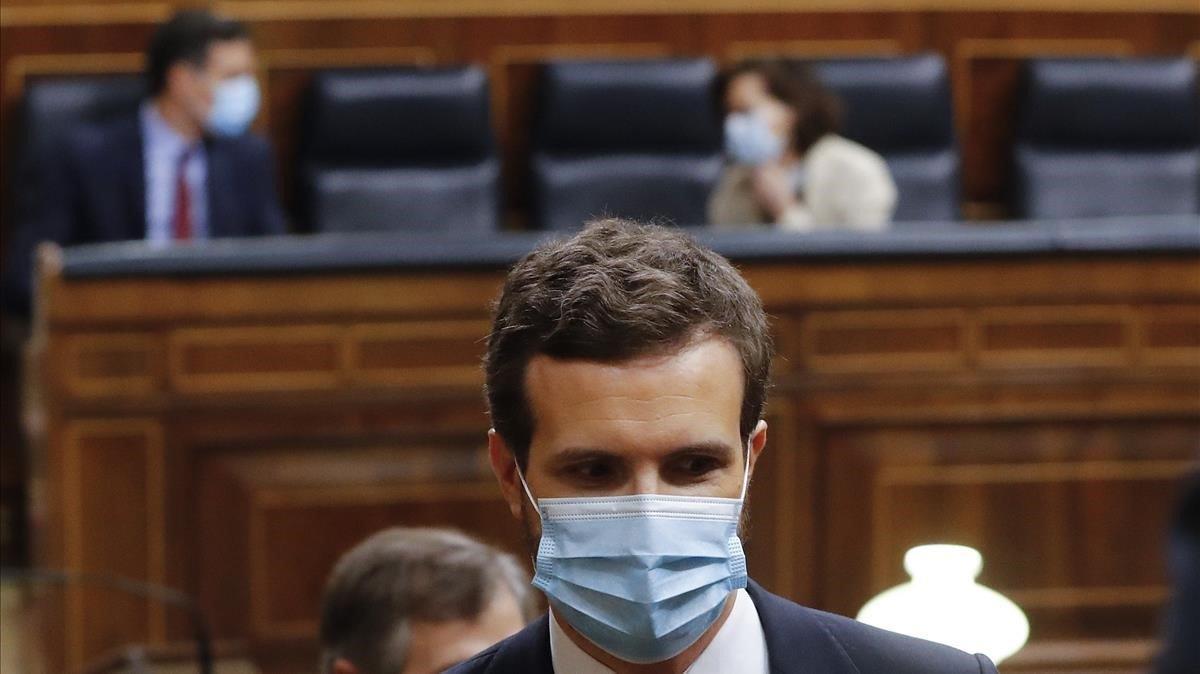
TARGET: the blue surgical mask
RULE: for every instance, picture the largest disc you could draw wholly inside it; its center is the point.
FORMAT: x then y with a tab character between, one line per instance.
642	577
235	103
749	139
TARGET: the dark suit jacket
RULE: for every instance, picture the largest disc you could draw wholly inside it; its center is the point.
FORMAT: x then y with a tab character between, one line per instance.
94	190
799	640
1181	648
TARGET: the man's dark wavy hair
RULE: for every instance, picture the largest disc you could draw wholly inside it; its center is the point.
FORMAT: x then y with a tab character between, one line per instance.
616	291
186	37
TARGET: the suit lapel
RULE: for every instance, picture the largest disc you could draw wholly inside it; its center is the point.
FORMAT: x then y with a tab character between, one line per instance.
129	152
528	651
220	189
796	641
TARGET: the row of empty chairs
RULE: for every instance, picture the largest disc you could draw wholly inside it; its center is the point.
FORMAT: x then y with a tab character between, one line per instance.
409	148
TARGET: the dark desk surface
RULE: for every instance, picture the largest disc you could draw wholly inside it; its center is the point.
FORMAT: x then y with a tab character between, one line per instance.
381	251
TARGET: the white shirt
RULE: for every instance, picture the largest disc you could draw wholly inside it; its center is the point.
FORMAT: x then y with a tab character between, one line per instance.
739	646
162	148
845	186
840	185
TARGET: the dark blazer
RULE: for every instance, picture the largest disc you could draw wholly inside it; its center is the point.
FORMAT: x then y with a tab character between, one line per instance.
1181	648
799	640
94	190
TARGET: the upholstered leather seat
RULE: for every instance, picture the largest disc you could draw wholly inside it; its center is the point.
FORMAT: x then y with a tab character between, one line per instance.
636	139
1100	137
901	108
53	108
400	149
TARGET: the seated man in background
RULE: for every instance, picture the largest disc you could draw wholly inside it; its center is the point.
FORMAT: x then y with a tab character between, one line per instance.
182	168
788	165
416	601
1181	648
627	371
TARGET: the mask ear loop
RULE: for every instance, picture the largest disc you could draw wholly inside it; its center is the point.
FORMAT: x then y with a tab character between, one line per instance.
529	494
745	474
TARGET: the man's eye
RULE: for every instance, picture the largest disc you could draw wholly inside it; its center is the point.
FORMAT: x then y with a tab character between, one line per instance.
696	466
592	471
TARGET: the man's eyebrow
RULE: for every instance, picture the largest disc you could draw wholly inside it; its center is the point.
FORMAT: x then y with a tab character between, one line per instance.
571	454
713	448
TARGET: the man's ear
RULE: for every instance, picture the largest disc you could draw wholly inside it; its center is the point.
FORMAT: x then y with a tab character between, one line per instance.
758	442
504	465
344	666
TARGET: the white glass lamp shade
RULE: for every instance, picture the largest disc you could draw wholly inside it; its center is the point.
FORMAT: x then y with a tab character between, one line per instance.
943	603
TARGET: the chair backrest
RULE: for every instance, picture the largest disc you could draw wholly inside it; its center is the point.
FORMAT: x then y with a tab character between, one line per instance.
901	108
637	139
50	110
1100	137
400	149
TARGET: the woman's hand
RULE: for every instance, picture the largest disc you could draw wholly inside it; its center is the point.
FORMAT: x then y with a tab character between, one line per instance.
773	189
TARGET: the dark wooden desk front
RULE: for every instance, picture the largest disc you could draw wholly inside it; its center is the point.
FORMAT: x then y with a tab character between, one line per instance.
232	435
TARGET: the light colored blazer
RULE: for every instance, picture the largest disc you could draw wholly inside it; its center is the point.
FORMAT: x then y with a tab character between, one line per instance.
845	186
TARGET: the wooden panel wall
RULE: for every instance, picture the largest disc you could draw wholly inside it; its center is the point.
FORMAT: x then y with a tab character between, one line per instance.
982	41
210	434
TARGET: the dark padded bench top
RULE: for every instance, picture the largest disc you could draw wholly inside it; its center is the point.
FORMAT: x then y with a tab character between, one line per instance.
387	251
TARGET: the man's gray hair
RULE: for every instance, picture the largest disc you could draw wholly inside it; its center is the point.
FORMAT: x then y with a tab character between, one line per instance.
400	576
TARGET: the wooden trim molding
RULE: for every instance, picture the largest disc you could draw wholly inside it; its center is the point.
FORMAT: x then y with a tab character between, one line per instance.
68	13
968	50
352	57
19	68
151	435
737	51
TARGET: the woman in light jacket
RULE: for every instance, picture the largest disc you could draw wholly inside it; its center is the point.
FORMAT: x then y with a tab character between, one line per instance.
788	167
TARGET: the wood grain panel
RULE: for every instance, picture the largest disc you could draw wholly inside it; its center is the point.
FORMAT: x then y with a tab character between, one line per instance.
1048	504
113	480
419	354
1055	336
22	68
885	340
1170	335
741	50
65	12
284	496
118	365
256	358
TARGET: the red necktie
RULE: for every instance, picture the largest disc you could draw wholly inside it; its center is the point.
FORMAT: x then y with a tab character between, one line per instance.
181	222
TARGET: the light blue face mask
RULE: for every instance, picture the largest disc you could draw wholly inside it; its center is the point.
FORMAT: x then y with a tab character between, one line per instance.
235	103
642	577
749	139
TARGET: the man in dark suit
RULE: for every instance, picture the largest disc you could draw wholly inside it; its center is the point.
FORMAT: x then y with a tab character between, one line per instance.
1181	648
183	168
627	370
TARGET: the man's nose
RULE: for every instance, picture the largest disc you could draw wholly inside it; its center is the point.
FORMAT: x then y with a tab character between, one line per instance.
645	480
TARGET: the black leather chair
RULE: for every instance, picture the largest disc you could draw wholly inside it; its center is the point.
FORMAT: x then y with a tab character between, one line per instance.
49	110
52	108
399	149
901	108
1103	137
638	139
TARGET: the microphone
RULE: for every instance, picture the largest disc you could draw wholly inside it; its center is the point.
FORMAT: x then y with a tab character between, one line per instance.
161	593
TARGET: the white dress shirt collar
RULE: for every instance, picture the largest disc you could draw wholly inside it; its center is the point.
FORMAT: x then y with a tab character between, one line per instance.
739	646
162	147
